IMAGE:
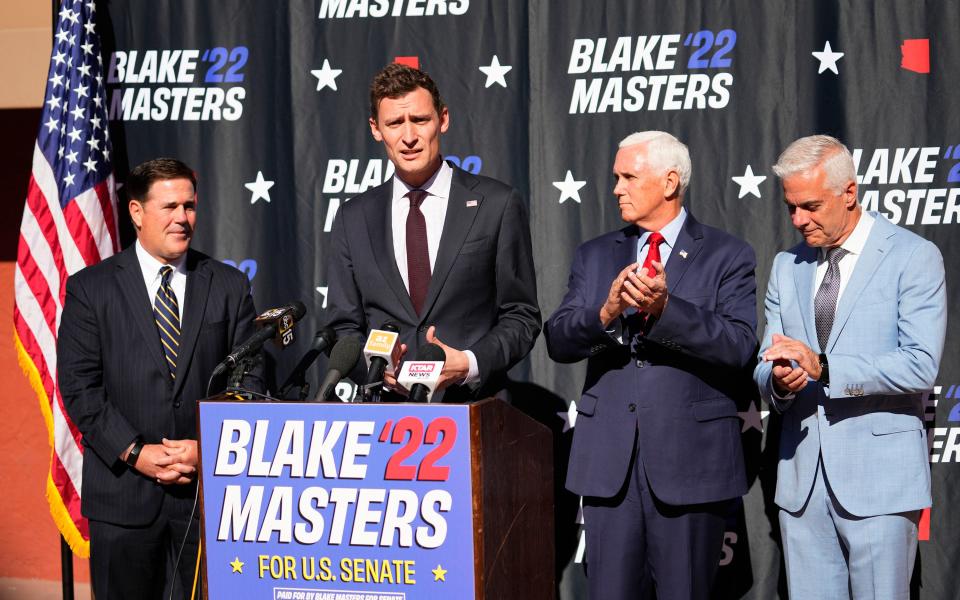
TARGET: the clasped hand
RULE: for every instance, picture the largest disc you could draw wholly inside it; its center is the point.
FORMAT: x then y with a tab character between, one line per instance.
170	462
640	291
794	363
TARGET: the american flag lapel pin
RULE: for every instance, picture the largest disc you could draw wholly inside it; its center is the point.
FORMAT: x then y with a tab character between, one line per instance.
471	203
683	254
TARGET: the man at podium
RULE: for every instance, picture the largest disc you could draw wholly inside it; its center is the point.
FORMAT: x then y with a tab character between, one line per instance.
442	253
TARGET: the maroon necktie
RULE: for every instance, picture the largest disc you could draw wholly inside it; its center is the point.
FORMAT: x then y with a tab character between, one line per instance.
418	256
653	253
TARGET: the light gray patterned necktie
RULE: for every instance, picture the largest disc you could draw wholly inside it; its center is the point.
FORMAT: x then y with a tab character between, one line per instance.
825	302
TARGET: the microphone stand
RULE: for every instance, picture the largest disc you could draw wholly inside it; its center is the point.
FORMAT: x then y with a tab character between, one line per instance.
235	379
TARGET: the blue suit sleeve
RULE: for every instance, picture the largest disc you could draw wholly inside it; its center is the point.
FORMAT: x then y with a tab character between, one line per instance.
725	336
574	332
763	373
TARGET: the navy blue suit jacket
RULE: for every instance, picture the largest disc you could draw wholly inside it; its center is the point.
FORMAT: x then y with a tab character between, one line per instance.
115	381
676	382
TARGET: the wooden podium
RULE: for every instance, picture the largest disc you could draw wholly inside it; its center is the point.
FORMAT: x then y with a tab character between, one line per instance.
512	458
491	465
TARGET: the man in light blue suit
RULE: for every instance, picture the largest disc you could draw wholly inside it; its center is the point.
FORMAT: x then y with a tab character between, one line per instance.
856	319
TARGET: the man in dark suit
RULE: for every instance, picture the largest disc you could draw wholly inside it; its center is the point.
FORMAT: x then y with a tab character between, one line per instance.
130	376
443	254
656	452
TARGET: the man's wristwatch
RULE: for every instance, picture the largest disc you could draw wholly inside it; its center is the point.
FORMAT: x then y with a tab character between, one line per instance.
134	453
824	369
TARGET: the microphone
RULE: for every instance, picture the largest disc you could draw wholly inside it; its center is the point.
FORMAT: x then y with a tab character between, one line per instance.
422	374
378	352
343	357
322	342
275	322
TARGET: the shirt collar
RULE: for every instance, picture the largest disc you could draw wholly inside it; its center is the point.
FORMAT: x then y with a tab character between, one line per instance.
857	239
150	266
670	231
438	184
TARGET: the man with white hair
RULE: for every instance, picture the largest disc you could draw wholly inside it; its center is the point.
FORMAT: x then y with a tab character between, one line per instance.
664	310
856	320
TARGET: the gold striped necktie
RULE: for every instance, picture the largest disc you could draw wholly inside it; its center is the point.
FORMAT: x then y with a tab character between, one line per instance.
166	312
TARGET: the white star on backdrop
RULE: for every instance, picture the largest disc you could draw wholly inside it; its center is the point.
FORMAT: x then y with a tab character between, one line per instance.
569	416
322	290
495	72
749	183
260	188
326	76
569	188
752	418
828	58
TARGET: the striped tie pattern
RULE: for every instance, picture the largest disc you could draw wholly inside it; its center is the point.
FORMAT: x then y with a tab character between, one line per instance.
166	312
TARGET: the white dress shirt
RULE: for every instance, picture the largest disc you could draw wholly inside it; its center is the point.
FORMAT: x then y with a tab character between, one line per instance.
150	267
434	209
854	246
670	233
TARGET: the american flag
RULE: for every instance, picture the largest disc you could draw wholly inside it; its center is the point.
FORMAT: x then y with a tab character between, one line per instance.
69	222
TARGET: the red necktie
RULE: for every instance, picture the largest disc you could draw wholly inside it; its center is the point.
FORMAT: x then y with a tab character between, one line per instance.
418	255
653	253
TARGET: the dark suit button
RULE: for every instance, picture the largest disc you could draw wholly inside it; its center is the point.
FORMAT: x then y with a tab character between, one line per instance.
421	329
632	407
176	404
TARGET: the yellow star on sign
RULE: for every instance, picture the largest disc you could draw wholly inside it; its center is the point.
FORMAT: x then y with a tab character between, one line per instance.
439	574
237	565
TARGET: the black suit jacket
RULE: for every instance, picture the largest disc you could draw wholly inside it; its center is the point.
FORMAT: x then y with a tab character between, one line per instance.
114	379
483	291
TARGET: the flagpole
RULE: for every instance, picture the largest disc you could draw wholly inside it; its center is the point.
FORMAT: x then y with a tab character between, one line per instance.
66	554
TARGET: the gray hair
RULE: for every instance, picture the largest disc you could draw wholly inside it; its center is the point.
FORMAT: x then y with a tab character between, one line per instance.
808	153
663	152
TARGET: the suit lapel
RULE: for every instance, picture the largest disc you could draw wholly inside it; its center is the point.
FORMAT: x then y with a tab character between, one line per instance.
140	305
684	252
377	214
804	273
874	251
194	305
456	225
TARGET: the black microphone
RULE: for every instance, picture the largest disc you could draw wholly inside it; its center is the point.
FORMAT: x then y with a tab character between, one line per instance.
272	322
322	342
343	357
422	374
379	352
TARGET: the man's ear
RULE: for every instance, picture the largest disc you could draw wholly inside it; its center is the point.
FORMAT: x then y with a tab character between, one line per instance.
671	184
374	130
136	213
850	195
444	120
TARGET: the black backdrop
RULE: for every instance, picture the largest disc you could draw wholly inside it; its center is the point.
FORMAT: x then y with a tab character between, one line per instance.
276	92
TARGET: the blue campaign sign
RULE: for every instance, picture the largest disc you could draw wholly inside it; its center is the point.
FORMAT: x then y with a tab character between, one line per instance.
337	501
